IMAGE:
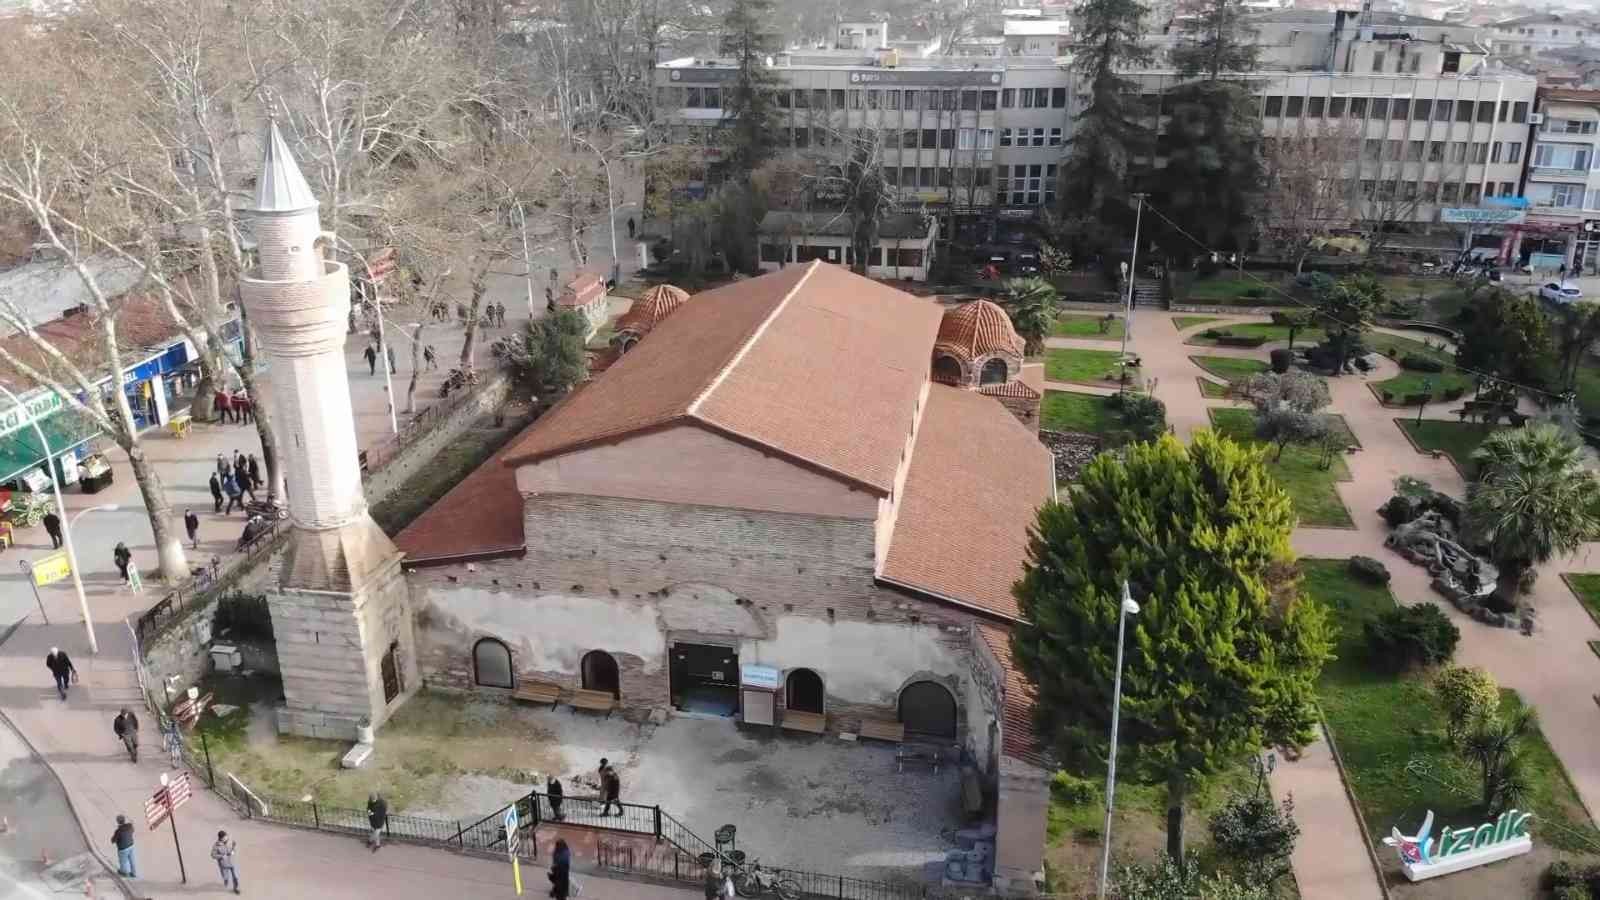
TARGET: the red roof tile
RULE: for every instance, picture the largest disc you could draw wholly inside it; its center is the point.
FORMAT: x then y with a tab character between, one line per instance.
481	516
977	477
976	329
655	304
1017	738
142	324
812	362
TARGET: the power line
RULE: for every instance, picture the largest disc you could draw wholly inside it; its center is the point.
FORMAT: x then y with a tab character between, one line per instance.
1329	316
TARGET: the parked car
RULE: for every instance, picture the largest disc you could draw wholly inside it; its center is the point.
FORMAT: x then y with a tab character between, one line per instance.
1556	292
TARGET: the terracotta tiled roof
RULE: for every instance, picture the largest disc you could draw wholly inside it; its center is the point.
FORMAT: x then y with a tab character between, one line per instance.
142	324
812	362
481	516
583	290
977	329
655	304
1575	95
977	477
1009	389
1017	739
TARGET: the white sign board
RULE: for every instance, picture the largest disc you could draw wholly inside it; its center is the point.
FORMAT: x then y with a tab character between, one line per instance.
1462	848
1480	216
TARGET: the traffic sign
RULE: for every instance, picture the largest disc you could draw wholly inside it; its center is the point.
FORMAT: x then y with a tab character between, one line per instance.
188	710
167	798
51	569
513	838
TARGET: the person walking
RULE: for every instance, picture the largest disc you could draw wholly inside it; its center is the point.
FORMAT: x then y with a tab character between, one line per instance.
630	228
216	493
191	524
388	352
554	276
561	870
254	466
611	787
713	881
121	555
549	300
222	465
223	852
52	527
245	407
377	820
224	405
429	358
554	793
61	668
371	353
122	839
230	486
126	727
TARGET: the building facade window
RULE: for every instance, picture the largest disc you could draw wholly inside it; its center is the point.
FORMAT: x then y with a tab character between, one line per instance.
986	100
1055	137
1058	98
1008	97
491	664
1274	106
1294	107
1005	137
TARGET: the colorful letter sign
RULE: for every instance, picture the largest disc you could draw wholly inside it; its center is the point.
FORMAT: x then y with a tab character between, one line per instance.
1462	848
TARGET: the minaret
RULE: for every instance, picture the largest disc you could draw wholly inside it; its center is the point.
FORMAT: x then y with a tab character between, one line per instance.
339	613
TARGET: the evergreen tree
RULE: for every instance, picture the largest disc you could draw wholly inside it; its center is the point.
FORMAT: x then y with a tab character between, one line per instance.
1213	176
1509	336
1094	183
750	101
1223	657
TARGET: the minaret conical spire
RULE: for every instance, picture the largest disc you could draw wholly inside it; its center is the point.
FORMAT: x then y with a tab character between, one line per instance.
281	188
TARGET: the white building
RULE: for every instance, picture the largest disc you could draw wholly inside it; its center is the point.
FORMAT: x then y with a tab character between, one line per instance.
1533	35
1563	184
904	248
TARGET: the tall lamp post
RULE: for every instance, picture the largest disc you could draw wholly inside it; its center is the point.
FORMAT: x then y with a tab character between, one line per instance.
611	209
1128	608
61	513
1133	278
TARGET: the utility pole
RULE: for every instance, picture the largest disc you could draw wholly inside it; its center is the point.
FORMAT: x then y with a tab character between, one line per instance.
1129	607
1133	278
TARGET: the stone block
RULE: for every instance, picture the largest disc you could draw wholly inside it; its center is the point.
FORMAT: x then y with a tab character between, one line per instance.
357	756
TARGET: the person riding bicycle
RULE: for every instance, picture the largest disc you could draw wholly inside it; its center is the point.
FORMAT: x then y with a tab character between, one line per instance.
126	727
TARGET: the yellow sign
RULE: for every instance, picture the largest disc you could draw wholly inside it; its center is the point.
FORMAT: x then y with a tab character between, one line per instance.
516	874
51	569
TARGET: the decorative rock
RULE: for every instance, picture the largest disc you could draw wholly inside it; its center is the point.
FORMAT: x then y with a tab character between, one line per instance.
357	757
1072	451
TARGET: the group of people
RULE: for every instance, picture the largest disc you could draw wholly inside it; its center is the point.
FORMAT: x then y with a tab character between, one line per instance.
371	354
232	480
235	407
225	852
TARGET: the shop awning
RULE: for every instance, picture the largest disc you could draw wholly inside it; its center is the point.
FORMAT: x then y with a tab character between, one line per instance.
20	450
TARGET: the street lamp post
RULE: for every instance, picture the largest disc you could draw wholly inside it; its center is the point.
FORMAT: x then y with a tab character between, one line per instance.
61	512
1129	607
1427	393
1133	278
611	209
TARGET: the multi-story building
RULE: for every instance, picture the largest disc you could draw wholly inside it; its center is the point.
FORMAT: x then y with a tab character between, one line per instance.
1563	184
1533	35
1437	126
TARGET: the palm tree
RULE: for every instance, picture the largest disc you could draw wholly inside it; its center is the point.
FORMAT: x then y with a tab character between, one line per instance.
1533	499
1031	304
1493	744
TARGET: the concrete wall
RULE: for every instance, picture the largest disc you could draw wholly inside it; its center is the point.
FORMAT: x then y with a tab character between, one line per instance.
1021	810
395	470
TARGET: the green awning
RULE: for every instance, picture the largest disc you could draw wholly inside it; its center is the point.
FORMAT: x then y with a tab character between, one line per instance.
20	450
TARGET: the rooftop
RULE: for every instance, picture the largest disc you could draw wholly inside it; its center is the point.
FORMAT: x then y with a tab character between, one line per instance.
1571	95
142	324
281	187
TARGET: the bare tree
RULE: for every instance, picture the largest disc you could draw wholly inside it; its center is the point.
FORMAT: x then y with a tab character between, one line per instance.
1306	196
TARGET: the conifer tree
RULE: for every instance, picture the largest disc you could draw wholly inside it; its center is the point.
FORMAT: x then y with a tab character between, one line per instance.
1094	184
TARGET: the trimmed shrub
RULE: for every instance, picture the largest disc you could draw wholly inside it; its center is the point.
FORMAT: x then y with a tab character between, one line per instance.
1466	695
1072	790
1241	340
1212	334
1407	636
1387	395
1281	360
1573	892
1454	393
1398	511
1417	399
1417	362
1368	569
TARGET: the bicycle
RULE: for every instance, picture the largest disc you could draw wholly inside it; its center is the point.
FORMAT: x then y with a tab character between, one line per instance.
172	742
751	881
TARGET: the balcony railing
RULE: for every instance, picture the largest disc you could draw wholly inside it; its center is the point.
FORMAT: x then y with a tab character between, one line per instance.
1559	172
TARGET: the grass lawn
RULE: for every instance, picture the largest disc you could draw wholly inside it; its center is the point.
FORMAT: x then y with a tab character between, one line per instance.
1186	322
1230	368
1067	411
1303	337
1382	721
1210	389
1300	471
453	463
1230	288
1587	589
1079	365
1588	386
1086	326
1456	439
1408	382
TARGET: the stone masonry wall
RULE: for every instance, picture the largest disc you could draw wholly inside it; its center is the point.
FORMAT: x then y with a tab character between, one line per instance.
632	577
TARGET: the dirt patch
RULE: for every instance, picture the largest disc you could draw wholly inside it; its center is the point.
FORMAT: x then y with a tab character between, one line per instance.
1517	877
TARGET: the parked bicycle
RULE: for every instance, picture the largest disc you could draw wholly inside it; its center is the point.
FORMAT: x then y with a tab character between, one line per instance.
752	881
172	742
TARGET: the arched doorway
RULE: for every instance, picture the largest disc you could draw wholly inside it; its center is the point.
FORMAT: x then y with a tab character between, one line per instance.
927	707
946	369
802	691
599	672
491	664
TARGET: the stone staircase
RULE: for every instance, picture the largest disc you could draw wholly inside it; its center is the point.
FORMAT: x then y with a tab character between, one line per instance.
1147	293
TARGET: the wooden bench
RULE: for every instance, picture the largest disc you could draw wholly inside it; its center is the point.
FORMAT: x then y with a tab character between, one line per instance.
599	701
795	720
879	730
931	757
538	692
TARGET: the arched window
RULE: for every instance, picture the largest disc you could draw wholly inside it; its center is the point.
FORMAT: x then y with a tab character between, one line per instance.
626	342
946	369
803	691
491	664
994	372
599	671
927	707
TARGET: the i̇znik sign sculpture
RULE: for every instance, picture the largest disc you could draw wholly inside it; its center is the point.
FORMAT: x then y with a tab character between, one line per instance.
1462	848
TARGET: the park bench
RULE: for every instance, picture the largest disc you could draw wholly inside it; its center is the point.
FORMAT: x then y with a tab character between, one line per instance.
795	720
538	692
598	701
879	730
927	756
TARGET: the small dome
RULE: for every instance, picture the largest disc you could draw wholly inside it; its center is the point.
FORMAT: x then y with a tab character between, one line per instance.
977	329
655	304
